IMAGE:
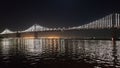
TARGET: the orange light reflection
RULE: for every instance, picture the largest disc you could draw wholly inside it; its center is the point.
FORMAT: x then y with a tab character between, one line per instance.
53	37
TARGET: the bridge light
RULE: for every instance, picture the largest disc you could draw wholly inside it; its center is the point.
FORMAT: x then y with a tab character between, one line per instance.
53	37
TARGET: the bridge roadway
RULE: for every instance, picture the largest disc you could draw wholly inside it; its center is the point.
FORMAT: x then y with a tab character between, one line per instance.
73	33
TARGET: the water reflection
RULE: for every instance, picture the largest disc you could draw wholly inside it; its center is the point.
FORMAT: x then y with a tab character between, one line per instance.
99	51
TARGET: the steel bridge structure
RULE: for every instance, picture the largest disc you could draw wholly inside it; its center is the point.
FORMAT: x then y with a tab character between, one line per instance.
101	28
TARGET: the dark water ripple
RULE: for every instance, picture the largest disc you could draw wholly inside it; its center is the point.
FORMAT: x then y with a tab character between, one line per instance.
56	53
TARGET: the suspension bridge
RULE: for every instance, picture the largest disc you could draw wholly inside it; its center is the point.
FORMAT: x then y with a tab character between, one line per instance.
101	29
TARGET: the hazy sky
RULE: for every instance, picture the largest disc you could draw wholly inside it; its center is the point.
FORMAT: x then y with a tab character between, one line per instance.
21	14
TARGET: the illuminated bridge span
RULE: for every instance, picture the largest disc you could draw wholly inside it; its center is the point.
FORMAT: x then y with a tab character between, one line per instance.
105	22
101	28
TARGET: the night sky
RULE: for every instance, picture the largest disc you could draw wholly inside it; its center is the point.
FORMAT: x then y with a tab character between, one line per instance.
21	14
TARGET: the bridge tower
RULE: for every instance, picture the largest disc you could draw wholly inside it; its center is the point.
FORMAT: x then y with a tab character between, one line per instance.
35	31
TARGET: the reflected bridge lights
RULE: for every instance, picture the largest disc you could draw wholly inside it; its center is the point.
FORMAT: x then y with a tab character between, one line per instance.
33	45
6	41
